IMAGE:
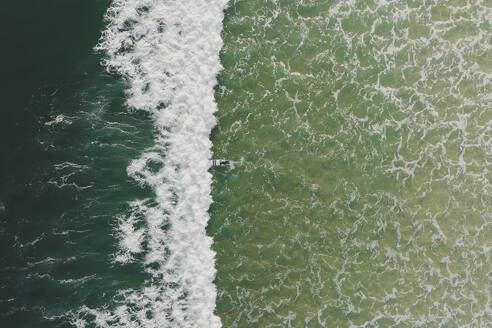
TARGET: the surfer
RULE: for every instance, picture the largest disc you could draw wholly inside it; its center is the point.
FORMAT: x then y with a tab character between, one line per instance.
221	162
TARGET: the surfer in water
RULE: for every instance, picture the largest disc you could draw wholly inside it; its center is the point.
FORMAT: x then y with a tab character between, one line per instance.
221	162
224	162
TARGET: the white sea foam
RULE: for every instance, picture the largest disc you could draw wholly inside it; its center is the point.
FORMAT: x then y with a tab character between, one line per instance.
131	237
168	52
58	120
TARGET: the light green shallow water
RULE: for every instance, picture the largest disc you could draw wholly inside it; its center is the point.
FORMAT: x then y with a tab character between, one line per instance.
364	194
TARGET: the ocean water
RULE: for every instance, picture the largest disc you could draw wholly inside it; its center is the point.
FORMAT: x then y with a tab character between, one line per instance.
364	197
362	193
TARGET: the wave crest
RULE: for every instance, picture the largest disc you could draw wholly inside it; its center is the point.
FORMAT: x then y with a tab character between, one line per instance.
168	52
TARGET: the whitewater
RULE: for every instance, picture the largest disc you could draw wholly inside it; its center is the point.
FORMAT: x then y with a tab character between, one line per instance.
168	54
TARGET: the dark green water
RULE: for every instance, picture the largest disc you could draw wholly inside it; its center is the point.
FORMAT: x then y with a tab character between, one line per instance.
65	140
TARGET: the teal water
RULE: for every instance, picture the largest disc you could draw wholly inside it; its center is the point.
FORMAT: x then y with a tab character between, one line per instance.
361	197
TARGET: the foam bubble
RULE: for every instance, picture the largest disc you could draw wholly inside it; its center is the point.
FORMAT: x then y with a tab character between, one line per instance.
130	235
168	52
59	119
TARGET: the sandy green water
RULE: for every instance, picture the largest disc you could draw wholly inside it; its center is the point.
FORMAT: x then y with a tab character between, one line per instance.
364	195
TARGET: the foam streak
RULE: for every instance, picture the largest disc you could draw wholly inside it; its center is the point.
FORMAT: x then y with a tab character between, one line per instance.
168	52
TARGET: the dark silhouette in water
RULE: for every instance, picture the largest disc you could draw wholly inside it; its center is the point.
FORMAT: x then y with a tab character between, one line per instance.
221	162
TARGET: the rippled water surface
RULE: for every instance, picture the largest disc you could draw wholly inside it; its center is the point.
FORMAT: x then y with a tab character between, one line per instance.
364	195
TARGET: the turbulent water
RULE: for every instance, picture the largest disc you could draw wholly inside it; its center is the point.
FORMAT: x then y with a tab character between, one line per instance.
365	131
168	52
123	184
362	193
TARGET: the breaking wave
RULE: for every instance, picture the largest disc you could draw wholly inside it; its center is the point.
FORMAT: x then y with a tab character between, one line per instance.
168	53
